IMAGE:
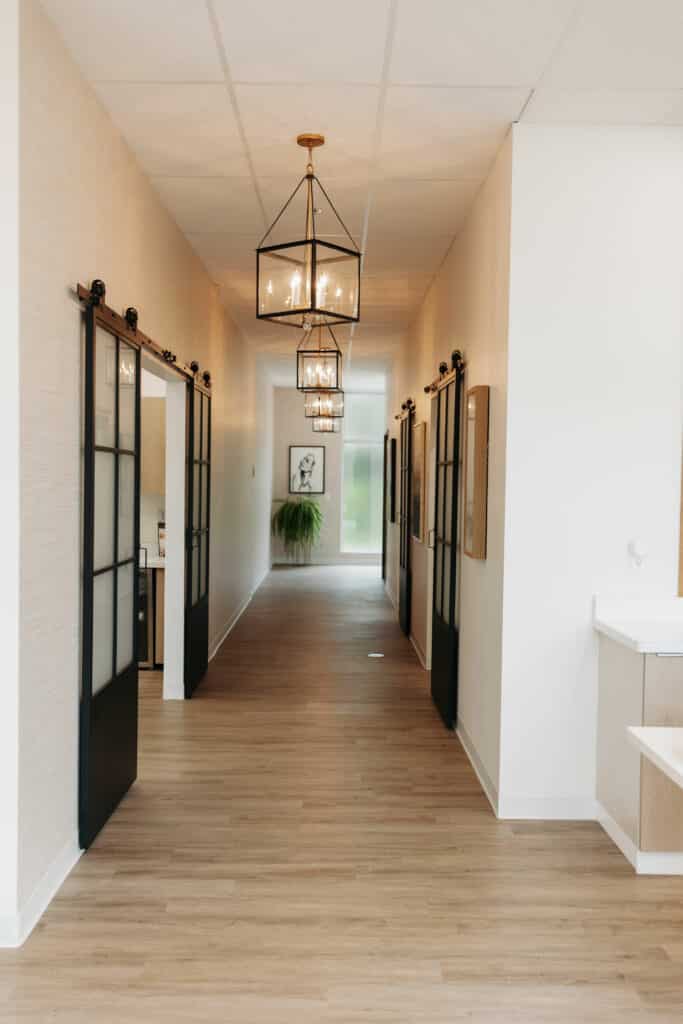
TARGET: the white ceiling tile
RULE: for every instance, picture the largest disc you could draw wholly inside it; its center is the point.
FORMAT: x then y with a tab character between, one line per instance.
384	253
273	116
446	133
126	40
621	44
607	106
304	41
476	42
212	204
414	209
177	129
223	252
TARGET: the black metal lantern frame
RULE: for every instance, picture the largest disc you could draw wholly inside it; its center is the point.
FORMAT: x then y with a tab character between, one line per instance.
311	281
328	404
326	425
319	362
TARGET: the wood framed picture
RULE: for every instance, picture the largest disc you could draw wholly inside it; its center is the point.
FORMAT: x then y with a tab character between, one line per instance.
306	469
417	489
476	471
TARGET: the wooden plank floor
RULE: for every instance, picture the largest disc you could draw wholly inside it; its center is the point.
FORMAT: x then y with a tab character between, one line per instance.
306	843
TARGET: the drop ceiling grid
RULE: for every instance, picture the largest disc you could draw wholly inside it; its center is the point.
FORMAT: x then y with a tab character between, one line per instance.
415	97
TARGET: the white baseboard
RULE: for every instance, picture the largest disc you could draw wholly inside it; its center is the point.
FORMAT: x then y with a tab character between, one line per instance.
15	929
644	862
390	595
420	656
534	808
234	619
486	783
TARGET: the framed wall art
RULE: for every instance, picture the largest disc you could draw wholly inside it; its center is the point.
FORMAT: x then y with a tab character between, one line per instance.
306	469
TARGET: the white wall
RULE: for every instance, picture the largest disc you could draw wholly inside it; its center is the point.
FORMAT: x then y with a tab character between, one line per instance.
290	427
594	422
88	211
9	466
466	307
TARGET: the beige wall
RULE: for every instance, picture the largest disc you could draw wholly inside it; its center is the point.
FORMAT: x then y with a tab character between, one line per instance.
467	308
87	211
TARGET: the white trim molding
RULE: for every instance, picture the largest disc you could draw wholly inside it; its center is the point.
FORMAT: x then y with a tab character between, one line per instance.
486	782
420	656
645	863
15	930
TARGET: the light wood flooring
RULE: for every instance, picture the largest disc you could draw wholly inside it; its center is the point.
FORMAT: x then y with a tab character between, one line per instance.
306	843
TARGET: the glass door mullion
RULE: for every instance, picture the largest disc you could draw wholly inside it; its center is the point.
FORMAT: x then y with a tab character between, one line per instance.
117	414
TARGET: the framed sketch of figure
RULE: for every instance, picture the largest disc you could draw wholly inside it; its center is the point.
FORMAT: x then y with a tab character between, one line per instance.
306	469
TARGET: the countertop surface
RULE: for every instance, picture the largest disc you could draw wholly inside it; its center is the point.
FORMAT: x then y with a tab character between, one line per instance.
648	627
663	746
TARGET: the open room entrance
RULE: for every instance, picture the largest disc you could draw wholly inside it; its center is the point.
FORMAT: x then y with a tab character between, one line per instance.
146	529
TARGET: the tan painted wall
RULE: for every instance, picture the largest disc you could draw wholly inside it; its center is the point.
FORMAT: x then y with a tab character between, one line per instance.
467	308
87	211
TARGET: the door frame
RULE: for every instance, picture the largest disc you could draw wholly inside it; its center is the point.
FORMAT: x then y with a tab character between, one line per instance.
406	421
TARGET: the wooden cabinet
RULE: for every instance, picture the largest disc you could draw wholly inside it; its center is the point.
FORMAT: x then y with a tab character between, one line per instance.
638	689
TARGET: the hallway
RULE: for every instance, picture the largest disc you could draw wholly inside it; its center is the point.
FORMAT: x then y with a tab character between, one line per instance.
306	843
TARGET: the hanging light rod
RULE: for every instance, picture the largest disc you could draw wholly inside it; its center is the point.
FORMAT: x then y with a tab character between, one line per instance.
310	280
446	374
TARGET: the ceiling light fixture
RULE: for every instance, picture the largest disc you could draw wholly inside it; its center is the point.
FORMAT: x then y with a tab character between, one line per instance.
312	280
324	403
318	362
326	425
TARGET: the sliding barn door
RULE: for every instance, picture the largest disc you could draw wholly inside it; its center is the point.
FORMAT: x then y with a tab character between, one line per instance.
197	538
109	689
385	504
444	676
404	589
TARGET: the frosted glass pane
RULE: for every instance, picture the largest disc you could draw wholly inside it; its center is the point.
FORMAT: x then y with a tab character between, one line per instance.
195	571
365	418
438	555
362	504
124	620
203	577
449	502
127	390
447	584
126	506
205	495
104	509
195	495
450	436
105	384
103	630
205	427
197	423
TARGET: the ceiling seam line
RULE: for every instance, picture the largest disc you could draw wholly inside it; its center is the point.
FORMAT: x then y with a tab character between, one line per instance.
229	86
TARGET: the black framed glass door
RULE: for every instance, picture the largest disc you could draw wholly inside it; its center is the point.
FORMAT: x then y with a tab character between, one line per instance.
444	673
198	533
406	467
109	687
385	505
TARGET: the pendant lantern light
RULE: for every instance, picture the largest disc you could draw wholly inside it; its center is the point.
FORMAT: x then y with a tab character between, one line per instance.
329	404
318	362
310	280
326	425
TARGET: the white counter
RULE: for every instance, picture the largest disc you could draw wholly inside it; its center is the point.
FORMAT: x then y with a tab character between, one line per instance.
663	746
646	626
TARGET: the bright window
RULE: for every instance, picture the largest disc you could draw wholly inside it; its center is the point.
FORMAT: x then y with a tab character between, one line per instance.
364	425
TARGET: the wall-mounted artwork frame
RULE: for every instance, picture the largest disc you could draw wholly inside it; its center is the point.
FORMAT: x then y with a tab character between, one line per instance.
476	471
417	489
307	469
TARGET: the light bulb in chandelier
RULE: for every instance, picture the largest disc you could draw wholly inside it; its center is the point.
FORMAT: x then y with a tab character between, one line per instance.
329	404
318	361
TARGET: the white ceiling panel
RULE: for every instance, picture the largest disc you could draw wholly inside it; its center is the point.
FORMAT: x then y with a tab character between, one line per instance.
129	40
446	133
304	41
273	116
424	254
606	106
413	209
224	251
177	129
622	44
476	42
211	204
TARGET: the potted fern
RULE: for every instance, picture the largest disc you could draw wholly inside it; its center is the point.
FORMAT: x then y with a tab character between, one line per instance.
297	523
